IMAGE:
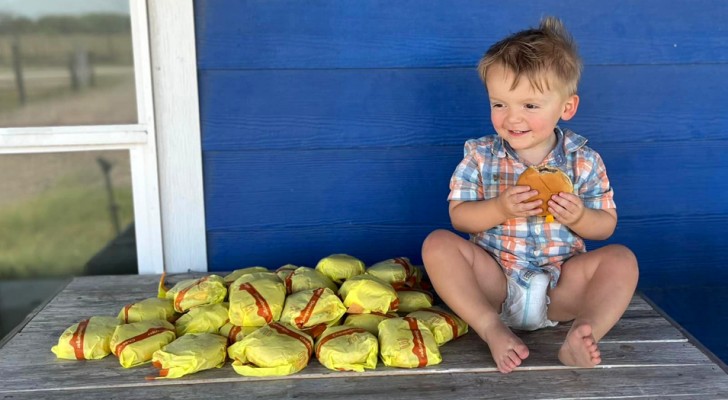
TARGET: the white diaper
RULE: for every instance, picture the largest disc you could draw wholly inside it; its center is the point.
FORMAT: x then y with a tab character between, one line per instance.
526	309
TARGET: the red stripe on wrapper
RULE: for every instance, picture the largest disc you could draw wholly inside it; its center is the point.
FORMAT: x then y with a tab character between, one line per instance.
181	294
418	349
338	334
149	333
77	339
307	311
285	331
450	321
263	308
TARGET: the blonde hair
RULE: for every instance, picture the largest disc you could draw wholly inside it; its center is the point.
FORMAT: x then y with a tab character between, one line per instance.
534	53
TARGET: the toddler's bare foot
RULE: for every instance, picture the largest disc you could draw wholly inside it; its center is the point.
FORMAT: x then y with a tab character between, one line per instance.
507	349
580	349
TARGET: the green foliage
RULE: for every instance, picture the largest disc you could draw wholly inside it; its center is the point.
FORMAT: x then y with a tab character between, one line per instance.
57	233
65	24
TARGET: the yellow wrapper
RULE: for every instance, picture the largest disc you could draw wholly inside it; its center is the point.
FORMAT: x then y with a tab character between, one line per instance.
417	277
231	277
154	308
135	343
189	354
273	350
369	322
339	267
256	302
343	348
366	294
413	299
254	276
312	307
304	278
286	270
398	272
407	343
202	319
86	340
197	292
235	333
444	326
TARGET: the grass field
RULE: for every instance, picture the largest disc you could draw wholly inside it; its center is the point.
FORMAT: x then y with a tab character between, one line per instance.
53	230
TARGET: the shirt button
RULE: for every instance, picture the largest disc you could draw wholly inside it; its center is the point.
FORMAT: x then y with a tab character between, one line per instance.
538	229
536	252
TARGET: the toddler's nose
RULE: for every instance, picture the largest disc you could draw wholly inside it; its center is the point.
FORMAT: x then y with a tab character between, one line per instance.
513	116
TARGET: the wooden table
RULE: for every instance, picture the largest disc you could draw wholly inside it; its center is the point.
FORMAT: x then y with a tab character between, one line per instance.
643	356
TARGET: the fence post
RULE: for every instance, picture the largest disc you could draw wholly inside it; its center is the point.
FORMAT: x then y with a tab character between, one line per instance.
18	68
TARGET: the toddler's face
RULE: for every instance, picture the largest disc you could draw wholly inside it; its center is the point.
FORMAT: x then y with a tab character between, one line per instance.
525	116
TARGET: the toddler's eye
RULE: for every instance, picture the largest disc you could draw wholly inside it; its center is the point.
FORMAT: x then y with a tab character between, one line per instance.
496	105
531	106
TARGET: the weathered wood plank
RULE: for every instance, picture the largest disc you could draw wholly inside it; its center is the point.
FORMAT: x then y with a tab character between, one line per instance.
642	346
704	382
466	355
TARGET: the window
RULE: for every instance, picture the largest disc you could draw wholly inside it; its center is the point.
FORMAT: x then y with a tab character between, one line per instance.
79	188
125	162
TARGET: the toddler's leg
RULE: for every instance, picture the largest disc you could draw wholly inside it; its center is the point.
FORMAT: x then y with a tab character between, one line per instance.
473	285
594	290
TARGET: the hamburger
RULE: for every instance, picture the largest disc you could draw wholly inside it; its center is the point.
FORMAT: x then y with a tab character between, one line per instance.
548	181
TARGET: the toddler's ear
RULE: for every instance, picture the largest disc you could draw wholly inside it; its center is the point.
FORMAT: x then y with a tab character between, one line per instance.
572	103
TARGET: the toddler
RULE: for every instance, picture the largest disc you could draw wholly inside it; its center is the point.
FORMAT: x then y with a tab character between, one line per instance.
520	270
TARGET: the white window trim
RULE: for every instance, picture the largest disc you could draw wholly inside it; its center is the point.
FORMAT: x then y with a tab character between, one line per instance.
164	147
179	149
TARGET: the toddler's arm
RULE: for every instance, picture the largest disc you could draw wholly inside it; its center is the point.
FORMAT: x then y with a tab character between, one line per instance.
481	215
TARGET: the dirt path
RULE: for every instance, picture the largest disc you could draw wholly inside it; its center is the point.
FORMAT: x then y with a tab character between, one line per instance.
106	105
24	176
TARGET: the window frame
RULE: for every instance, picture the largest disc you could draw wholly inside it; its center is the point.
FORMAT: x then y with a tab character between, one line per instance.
171	244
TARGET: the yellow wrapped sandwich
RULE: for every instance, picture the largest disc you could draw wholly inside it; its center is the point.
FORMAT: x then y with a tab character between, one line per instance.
304	278
202	319
369	322
444	326
407	343
398	272
235	333
231	277
413	299
154	308
189	354
343	348
286	270
366	294
135	343
312	307
339	267
273	350
256	299
197	292
86	340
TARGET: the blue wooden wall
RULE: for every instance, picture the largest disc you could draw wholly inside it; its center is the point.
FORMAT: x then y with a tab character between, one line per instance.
334	125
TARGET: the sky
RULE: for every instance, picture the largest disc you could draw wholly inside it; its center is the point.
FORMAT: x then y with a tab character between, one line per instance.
38	8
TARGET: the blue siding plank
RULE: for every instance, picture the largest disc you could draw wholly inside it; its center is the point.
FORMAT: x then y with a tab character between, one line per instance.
278	34
669	249
409	185
699	308
249	110
306	245
354	186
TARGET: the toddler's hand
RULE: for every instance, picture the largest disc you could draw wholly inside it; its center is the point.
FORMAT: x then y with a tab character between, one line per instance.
512	202
567	208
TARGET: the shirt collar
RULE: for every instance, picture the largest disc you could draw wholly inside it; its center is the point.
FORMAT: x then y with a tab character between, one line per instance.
567	141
